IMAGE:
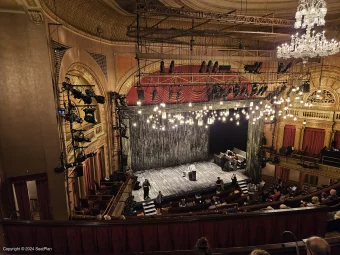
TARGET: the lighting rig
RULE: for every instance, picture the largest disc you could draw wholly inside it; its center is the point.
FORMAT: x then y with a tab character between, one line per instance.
120	110
70	114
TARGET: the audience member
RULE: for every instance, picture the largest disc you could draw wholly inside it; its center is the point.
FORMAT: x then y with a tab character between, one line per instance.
337	215
324	197
99	217
259	252
202	247
146	188
283	206
317	246
107	217
315	200
332	195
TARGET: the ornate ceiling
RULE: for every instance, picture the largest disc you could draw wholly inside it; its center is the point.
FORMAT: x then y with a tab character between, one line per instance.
114	17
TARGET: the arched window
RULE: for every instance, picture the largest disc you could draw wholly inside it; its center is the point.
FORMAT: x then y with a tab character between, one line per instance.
325	97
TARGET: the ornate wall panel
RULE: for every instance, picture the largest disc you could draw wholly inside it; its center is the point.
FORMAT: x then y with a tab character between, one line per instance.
155	148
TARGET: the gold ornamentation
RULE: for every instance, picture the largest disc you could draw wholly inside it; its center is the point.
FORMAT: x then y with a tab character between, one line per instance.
36	16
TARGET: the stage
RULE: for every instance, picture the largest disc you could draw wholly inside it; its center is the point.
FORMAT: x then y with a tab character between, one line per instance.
171	182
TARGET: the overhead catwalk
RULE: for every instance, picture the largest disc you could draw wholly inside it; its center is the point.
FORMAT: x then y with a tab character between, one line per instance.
171	182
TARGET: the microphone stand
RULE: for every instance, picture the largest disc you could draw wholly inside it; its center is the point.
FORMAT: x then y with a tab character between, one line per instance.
294	238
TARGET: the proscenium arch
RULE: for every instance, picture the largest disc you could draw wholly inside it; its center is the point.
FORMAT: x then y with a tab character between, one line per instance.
128	80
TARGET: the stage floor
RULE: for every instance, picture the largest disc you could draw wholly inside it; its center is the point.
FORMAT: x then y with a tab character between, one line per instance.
171	182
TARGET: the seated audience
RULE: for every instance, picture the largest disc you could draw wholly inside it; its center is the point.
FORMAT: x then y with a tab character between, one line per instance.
324	197
107	217
283	206
99	217
317	246
337	215
332	195
315	200
202	247
190	203
259	252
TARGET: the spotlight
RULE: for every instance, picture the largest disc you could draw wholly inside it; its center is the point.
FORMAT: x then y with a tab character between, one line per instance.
253	90
76	93
122	101
61	111
179	93
215	67
72	117
279	67
209	66
90	93
67	86
172	66
87	99
161	68
236	90
171	92
202	68
100	99
253	68
81	138
154	94
264	90
89	115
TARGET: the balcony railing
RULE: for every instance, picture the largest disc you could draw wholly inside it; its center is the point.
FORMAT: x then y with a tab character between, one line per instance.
315	114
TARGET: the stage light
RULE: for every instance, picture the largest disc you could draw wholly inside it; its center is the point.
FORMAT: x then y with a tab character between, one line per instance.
247	117
139	103
264	90
122	101
162	104
215	67
202	68
89	115
76	93
304	122
163	115
319	91
154	94
172	66
190	104
134	124
81	138
161	68
209	66
61	111
295	118
221	102
171	92
139	111
72	117
231	119
67	86
206	126
147	121
254	89
179	93
237	123
285	117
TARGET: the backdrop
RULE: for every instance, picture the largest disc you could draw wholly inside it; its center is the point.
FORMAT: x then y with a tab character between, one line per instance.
155	148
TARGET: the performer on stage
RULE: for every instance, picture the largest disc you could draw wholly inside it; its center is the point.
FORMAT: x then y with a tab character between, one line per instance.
146	188
219	184
158	202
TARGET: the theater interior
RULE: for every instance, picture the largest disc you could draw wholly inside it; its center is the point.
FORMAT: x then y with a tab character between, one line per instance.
170	127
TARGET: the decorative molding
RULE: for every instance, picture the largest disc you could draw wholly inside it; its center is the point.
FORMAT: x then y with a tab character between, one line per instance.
100	60
325	97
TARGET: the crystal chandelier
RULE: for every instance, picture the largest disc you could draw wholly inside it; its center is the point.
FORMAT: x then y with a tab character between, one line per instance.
310	44
310	13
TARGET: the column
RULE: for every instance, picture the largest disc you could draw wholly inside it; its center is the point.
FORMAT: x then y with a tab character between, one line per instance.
280	134
328	135
297	137
301	139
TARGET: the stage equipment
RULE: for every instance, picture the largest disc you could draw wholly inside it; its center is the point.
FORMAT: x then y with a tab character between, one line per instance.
161	68
72	117
171	92
79	171
209	66
89	115
81	138
253	68
215	67
172	66
154	94
140	93
179	93
202	68
224	68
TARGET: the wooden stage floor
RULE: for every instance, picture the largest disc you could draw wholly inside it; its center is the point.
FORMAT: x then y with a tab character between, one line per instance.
171	182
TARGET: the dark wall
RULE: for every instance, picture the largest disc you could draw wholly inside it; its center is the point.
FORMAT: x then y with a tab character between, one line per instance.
223	136
154	148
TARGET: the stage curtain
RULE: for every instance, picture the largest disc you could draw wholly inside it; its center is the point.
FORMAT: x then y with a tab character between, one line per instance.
23	201
337	139
313	140
282	173
44	199
289	135
100	165
87	176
